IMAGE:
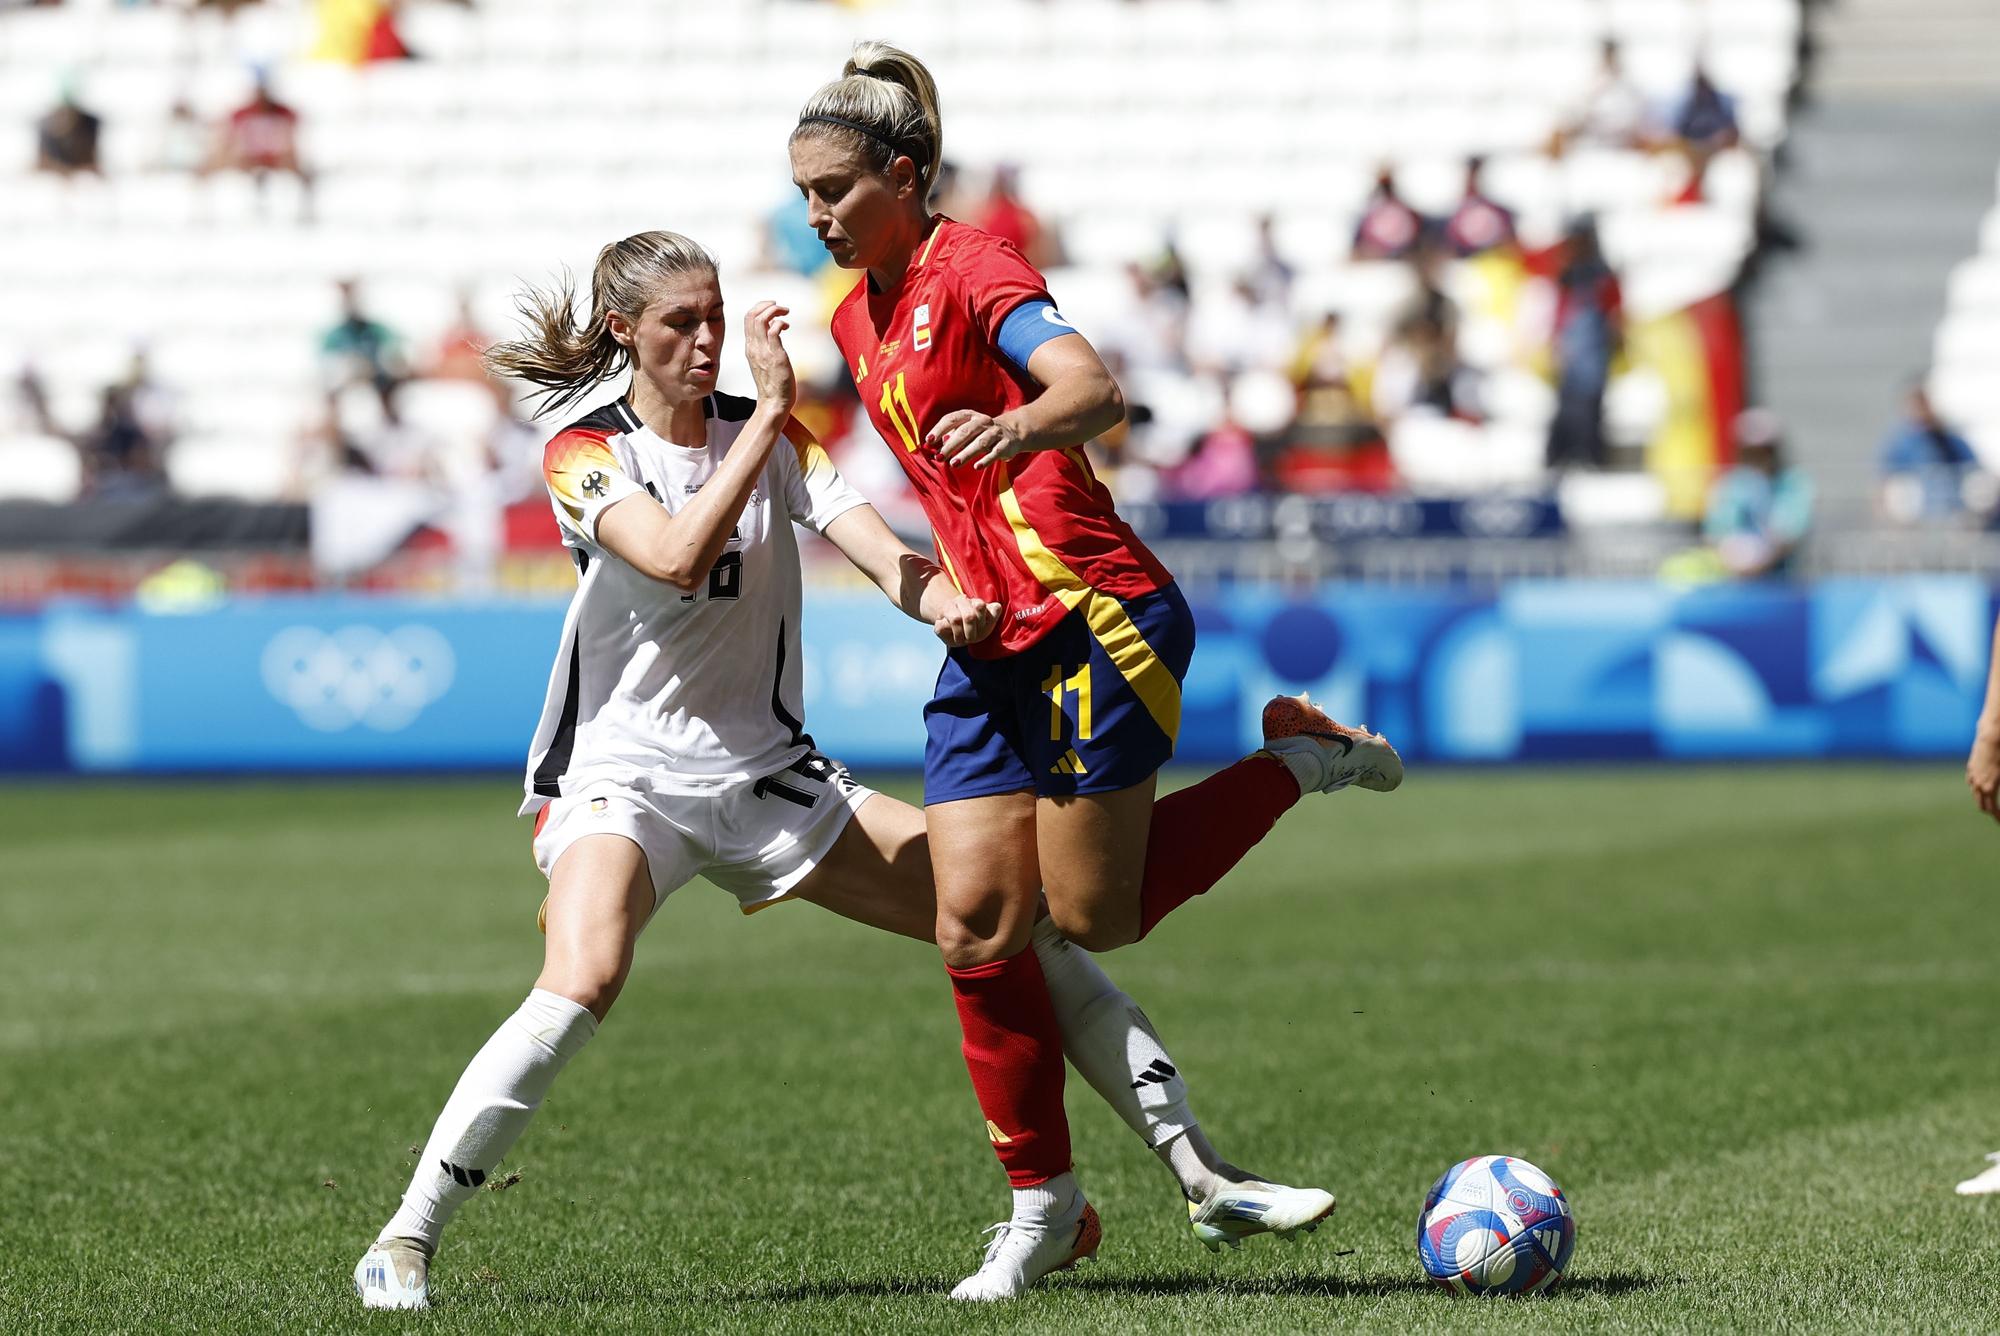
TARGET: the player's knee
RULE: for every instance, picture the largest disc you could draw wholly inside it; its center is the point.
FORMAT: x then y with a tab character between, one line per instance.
980	940
1096	927
592	988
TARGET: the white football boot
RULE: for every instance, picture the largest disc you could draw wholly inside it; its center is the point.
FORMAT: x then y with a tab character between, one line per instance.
394	1273
1240	1211
1979	1185
1022	1252
1295	727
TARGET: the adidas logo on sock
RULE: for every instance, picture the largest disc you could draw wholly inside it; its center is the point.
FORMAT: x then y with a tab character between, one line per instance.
468	1178
1159	1073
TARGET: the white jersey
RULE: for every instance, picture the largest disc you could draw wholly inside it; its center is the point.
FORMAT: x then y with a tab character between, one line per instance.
678	693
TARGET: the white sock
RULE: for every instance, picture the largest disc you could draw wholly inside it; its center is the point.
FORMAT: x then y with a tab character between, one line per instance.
502	1087
1051	1198
1196	1164
1307	767
1111	1043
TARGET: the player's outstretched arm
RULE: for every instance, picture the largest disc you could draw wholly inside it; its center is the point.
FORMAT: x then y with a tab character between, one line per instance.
679	549
913	582
1982	768
1079	402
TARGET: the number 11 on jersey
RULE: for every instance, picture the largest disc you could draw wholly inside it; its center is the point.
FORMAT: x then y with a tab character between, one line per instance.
895	397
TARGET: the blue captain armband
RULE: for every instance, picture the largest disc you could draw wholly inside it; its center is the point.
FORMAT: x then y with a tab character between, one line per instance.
1029	326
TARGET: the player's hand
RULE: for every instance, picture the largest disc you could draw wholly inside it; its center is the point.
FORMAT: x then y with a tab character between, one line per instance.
966	437
965	621
764	349
1982	770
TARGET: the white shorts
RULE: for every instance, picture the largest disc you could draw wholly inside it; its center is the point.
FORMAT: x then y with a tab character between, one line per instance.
757	840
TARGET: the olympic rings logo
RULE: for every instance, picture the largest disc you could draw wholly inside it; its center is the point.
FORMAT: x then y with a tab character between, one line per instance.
358	675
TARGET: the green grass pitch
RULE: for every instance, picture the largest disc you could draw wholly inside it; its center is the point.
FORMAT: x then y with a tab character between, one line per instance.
1745	1016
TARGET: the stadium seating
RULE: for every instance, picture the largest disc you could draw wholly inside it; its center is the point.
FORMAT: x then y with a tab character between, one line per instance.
534	131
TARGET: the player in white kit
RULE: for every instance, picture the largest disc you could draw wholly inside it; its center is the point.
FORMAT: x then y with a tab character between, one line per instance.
672	740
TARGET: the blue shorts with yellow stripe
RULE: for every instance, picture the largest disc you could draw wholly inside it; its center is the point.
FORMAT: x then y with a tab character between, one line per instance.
1092	707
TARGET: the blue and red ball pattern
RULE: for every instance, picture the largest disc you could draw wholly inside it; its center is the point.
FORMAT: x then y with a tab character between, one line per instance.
1495	1225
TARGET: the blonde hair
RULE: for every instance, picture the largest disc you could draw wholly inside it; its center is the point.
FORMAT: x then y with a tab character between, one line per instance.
886	104
568	359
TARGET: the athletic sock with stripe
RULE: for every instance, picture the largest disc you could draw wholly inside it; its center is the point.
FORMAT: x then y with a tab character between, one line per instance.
502	1087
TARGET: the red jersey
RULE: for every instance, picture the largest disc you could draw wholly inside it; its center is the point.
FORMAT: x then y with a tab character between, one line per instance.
1036	534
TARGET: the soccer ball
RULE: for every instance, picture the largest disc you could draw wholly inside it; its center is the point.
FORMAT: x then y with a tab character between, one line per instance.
1495	1225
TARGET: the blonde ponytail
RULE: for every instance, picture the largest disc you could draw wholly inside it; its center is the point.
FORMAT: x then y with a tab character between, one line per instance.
568	360
886	103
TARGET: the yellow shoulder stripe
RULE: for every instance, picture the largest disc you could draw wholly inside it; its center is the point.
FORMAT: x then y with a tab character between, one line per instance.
811	454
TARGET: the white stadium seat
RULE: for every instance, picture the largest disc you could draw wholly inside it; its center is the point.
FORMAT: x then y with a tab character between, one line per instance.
39	468
532	132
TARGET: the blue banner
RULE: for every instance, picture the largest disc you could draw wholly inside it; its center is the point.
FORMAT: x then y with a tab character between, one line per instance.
1557	671
1348	516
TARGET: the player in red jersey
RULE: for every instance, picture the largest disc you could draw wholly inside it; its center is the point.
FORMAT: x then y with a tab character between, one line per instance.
1044	738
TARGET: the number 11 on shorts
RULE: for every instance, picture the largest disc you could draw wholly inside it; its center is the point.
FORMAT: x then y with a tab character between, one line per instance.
1056	687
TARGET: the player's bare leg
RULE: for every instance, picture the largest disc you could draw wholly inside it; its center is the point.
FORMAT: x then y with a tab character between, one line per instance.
600	897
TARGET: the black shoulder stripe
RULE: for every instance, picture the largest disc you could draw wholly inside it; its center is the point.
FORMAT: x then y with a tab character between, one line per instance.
733	408
616	416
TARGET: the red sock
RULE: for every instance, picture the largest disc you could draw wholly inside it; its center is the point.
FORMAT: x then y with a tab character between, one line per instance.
1013	1048
1200	833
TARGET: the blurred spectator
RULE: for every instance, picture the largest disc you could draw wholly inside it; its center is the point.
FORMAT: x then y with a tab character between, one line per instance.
1330	412
261	137
1704	121
1389	229
789	241
1589	326
1477	225
1420	372
1430	264
66	139
25	410
1222	463
359	351
1925	465
124	451
25	420
1005	215
1170	270
1332	443
457	355
1760	511
186	145
1270	274
1150	334
1239	330
1613	114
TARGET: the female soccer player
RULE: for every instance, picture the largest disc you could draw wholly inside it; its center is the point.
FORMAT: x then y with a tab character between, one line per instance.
1046	735
671	743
